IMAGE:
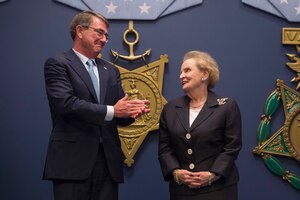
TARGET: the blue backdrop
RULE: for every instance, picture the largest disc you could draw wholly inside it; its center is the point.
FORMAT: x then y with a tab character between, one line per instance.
246	43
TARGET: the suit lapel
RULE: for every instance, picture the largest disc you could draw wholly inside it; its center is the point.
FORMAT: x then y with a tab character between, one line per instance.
206	111
103	76
202	116
80	69
182	111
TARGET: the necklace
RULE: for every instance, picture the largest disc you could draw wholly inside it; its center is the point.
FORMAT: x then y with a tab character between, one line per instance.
197	106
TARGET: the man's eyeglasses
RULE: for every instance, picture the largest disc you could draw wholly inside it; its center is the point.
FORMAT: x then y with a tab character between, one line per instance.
100	32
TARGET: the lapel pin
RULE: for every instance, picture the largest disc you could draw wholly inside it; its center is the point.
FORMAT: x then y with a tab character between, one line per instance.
222	101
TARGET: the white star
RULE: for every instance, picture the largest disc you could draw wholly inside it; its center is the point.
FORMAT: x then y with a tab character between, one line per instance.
111	8
144	8
297	9
129	0
284	1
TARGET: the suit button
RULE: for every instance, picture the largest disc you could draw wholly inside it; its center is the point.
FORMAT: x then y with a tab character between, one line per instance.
188	136
190	151
192	166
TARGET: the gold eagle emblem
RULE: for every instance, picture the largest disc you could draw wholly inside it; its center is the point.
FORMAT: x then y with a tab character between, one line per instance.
295	66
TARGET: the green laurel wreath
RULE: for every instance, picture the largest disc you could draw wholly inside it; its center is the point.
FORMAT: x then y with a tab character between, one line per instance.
263	133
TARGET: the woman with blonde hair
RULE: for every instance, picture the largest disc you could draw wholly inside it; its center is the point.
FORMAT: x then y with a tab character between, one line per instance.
200	135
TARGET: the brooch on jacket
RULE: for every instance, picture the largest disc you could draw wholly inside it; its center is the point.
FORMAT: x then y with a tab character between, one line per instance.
222	101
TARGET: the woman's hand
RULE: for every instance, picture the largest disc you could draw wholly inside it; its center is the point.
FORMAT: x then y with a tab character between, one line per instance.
196	179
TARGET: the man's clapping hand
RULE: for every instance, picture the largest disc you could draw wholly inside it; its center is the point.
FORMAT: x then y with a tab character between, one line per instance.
131	108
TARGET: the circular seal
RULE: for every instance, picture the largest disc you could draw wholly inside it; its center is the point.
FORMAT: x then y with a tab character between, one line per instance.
292	132
139	86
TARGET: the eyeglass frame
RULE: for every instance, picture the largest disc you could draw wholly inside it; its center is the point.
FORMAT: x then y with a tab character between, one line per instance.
100	32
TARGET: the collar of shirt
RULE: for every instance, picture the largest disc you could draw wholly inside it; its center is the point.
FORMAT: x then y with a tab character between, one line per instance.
83	58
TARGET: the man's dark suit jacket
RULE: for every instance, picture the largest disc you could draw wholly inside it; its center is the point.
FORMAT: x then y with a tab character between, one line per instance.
215	141
78	118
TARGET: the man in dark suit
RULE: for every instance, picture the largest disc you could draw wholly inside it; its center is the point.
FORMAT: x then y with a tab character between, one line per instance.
84	158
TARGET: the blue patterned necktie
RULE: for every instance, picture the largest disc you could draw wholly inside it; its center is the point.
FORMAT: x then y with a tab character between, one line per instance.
90	65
